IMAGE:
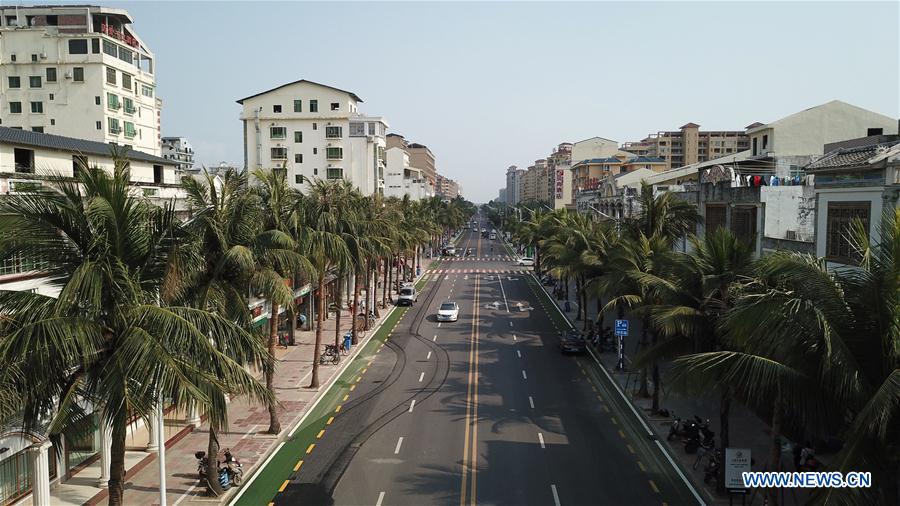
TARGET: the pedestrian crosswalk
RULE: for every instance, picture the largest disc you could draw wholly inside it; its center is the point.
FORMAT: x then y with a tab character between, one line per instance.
478	271
496	258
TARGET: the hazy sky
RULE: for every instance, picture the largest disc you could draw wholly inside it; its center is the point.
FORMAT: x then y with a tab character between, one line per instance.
487	85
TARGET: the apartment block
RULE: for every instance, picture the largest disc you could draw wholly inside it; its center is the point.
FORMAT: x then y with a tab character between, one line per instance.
689	145
446	188
420	158
179	150
514	184
78	71
401	179
559	165
314	131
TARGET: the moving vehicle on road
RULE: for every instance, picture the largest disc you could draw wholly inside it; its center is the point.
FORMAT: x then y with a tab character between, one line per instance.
450	251
448	312
571	341
408	295
526	262
493	236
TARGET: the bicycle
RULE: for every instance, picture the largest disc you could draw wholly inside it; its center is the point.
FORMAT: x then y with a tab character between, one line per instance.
330	355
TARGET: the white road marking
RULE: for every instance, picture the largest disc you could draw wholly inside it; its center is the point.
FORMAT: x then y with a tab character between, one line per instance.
411	406
524	376
541	439
381	498
518	353
514	337
555	495
500	279
439	324
434	338
421	375
531	401
510	324
428	356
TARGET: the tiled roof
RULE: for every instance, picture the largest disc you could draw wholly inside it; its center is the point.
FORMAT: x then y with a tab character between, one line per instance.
71	144
850	157
352	95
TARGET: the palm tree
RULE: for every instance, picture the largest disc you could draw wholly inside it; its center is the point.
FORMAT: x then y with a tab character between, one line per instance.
276	259
825	343
106	339
316	222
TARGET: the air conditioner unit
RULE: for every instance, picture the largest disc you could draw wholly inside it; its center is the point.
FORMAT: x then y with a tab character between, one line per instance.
67	75
370	138
43	56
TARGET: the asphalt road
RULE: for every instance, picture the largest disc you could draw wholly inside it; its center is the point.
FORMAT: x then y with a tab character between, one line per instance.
483	410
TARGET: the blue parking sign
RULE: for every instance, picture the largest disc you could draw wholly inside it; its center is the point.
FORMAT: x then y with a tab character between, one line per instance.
621	327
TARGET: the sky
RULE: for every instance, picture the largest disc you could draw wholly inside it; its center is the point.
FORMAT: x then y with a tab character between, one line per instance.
488	85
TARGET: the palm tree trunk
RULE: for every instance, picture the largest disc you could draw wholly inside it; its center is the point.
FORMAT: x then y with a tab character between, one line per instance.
724	436
775	448
274	424
353	315
213	487
384	288
337	315
368	292
390	274
314	376
645	389
375	268
116	485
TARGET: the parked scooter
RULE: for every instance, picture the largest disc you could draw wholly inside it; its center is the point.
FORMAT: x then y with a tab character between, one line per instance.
234	468
223	474
682	427
702	438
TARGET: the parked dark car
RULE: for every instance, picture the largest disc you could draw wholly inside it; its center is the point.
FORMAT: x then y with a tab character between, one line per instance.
571	341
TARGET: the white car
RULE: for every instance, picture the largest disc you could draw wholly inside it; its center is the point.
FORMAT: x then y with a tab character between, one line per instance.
526	262
448	312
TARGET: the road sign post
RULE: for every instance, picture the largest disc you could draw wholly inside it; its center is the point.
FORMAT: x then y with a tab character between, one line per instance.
737	462
621	332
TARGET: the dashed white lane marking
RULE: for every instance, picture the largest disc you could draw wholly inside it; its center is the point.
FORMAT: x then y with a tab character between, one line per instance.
541	439
439	324
518	353
555	495
434	338
421	376
427	357
531	401
411	406
524	376
514	337
510	324
381	498
397	448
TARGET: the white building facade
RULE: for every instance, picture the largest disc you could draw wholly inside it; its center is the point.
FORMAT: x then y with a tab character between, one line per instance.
78	71
180	151
314	131
401	179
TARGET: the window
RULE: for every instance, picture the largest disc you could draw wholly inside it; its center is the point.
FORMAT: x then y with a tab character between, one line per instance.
110	48
333	132
315	126
147	91
280	172
15	82
79	163
114	126
371	128
97	100
24	160
129	105
279	153
276	108
78	46
112	101
298	136
99	125
51	74
357	129
34	82
129	130
298	179
298	158
298	106
715	217
95	46
315	151
315	172
126	81
334	173
52	121
39	130
37	107
743	223
841	216
765	142
277	132
874	131
126	55
157	173
78	74
12	57
110	75
34	58
335	106
753	152
334	153
313	106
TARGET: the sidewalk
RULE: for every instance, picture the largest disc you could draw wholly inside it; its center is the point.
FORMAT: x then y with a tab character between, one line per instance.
746	430
245	436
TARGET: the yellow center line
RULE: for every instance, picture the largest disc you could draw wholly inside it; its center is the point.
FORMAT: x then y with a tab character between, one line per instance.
310	448
621	434
614	421
358	378
346	396
297	467
641	465
330	419
352	387
283	485
364	370
631	449
469	395
320	434
337	409
605	408
654	487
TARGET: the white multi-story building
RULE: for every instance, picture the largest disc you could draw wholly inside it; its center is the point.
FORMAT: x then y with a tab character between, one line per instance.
78	71
314	131
180	151
401	179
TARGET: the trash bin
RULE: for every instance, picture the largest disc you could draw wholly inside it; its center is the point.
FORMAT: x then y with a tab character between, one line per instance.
348	341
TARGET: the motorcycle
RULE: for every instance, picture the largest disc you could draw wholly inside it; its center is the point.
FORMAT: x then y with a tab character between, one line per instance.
682	427
704	438
203	464
234	468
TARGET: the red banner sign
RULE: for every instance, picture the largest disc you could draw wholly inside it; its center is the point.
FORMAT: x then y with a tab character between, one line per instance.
124	37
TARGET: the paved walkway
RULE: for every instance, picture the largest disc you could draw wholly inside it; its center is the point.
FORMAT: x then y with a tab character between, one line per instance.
245	437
